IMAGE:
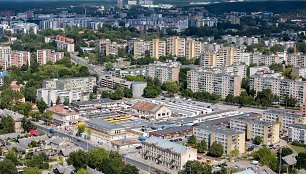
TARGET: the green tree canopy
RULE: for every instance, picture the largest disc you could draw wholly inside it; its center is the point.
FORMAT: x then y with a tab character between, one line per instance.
215	150
7	167
78	159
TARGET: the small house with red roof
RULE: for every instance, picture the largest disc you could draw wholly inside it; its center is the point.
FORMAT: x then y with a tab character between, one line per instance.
63	115
33	132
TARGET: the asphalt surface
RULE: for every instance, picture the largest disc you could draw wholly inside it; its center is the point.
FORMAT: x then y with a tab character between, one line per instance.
87	145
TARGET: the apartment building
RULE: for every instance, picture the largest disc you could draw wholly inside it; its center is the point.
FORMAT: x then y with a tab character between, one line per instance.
262	59
5	56
158	48
220	58
106	47
200	80
110	81
167	153
268	131
45	55
64	43
230	139
193	48
280	87
236	70
296	60
19	58
297	132
140	48
285	118
176	46
240	40
163	71
73	89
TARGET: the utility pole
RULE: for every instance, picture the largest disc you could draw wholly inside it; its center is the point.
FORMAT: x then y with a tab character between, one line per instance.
280	161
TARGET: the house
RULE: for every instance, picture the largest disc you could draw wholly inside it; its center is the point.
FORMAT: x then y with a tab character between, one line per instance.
33	132
56	143
58	169
16	117
148	110
63	115
290	159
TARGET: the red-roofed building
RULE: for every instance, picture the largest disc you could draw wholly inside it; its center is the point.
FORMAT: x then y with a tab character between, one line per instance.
63	115
150	110
33	132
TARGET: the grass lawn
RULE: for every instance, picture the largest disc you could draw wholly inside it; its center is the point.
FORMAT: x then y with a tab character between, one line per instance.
297	149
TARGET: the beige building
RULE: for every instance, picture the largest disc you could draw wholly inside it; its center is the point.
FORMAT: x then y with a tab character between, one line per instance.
106	47
222	57
172	155
5	56
268	131
280	87
63	115
140	48
200	80
150	110
158	48
193	48
284	118
176	46
230	139
163	71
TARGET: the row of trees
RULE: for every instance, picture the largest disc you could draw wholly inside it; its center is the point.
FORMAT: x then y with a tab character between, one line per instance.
101	160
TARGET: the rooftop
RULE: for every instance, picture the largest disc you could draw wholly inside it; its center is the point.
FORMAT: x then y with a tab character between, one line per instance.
171	130
145	106
298	126
62	110
166	144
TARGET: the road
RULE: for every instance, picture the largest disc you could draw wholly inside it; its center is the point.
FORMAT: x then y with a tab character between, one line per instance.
87	145
94	69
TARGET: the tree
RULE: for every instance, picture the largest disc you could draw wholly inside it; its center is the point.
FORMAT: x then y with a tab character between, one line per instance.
47	117
41	105
58	100
11	155
27	125
66	102
113	164
215	150
285	151
38	161
7	167
229	98
266	157
234	153
7	125
202	146
34	115
257	140
82	171
152	91
78	159
128	93
196	167
192	141
129	169
117	94
32	170
171	87
81	129
97	156
109	66
301	160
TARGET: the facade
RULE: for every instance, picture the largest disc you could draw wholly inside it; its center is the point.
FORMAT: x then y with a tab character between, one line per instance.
110	82
230	139
176	46
193	48
20	58
175	132
140	48
46	55
106	47
169	154
222	57
64	43
280	87
241	40
296	60
163	71
285	118
5	56
157	48
15	116
200	80
138	89
268	131
150	110
73	89
297	132
62	115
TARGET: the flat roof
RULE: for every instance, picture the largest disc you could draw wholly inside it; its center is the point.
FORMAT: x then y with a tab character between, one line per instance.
171	130
166	144
299	126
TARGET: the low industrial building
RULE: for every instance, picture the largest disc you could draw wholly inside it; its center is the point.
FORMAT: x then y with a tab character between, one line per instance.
148	110
174	132
167	153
